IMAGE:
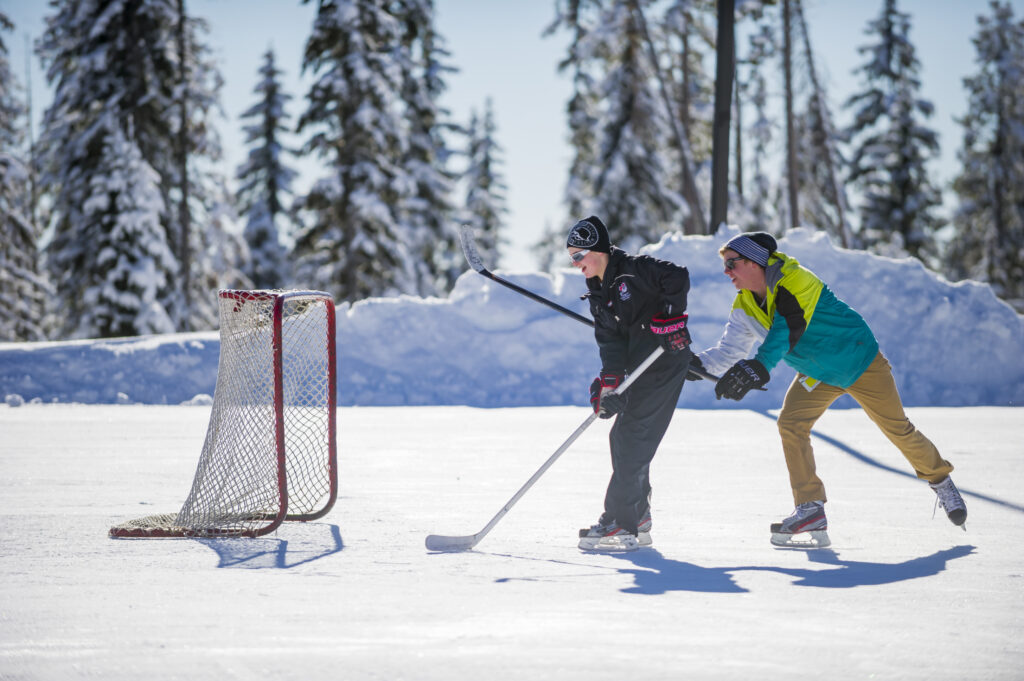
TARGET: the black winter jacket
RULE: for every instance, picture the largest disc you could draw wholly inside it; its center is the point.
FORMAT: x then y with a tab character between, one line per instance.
634	289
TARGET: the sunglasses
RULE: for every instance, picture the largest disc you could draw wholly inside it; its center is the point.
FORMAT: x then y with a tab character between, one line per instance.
578	256
730	263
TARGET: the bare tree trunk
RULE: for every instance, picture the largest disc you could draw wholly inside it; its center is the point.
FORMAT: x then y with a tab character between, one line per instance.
791	169
739	130
725	49
33	188
685	79
184	216
996	237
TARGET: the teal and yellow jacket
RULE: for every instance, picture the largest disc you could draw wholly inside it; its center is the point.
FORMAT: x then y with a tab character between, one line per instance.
800	322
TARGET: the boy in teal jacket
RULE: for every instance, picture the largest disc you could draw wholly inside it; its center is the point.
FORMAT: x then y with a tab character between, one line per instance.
797	319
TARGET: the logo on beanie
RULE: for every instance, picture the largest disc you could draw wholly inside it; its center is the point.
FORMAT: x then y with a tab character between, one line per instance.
590	234
583	235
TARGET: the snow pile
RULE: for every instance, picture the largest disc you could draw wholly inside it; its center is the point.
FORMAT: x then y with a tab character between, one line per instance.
486	346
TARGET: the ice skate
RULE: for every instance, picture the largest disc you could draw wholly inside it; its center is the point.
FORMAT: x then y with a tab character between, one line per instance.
643	534
948	496
609	537
805	528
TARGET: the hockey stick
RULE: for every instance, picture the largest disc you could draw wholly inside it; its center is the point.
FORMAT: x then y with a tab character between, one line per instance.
439	542
477	263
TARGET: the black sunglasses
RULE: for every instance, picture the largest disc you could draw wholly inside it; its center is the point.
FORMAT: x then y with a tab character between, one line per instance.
730	263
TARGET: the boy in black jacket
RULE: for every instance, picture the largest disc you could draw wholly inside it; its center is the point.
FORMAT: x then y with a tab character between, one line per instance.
638	302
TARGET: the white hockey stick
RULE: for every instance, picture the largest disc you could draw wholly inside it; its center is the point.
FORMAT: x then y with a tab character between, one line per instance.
440	542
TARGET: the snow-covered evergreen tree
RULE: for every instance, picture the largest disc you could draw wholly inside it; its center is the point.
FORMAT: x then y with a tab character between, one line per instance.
265	181
112	85
213	255
891	144
354	244
221	252
760	130
631	177
118	259
582	108
485	186
988	244
823	204
428	212
22	287
689	30
135	68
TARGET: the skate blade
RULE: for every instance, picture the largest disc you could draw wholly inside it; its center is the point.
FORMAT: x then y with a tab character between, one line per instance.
818	540
614	544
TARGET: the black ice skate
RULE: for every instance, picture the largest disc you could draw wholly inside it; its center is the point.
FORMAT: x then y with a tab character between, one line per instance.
804	528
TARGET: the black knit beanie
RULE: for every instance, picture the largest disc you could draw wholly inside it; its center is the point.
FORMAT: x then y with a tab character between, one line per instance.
590	234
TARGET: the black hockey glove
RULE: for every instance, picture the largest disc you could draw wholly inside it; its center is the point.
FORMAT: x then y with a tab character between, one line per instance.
671	331
695	366
740	379
605	403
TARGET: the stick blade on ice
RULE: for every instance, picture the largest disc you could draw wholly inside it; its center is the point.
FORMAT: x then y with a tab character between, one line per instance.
439	542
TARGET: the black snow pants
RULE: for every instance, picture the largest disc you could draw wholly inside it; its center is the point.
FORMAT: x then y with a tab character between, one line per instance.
635	437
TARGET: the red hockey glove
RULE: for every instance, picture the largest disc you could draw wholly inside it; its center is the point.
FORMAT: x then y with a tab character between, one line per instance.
605	403
671	331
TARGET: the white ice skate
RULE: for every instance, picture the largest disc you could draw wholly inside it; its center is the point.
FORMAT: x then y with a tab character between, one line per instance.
805	528
610	538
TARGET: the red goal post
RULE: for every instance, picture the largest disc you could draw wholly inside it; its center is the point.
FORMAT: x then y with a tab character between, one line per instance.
270	452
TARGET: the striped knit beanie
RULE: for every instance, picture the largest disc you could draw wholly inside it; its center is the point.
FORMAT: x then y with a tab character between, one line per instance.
754	246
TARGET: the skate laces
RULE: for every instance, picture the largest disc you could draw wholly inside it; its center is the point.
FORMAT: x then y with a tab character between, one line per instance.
948	496
805	517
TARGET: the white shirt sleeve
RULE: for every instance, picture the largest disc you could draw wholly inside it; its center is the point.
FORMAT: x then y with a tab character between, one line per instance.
737	342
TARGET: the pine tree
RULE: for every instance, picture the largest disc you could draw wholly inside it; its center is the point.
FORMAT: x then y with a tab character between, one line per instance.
485	187
136	69
123	269
205	237
354	244
23	289
689	28
989	224
429	212
582	110
757	199
630	177
265	180
892	145
824	204
104	63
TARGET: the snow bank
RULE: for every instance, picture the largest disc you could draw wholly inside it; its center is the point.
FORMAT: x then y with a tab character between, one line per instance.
950	344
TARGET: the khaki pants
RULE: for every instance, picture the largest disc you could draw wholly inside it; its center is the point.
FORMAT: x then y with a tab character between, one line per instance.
876	392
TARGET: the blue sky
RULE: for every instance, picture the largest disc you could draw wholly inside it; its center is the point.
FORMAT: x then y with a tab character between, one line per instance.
500	53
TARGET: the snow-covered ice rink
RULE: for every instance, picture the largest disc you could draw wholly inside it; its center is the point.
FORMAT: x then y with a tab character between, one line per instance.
900	595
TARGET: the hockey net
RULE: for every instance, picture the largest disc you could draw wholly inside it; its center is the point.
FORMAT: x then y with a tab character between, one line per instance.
270	452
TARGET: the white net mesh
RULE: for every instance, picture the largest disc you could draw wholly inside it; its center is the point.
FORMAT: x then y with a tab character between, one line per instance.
269	453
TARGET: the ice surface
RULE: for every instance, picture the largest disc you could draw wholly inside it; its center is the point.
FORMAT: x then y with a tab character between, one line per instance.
900	595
